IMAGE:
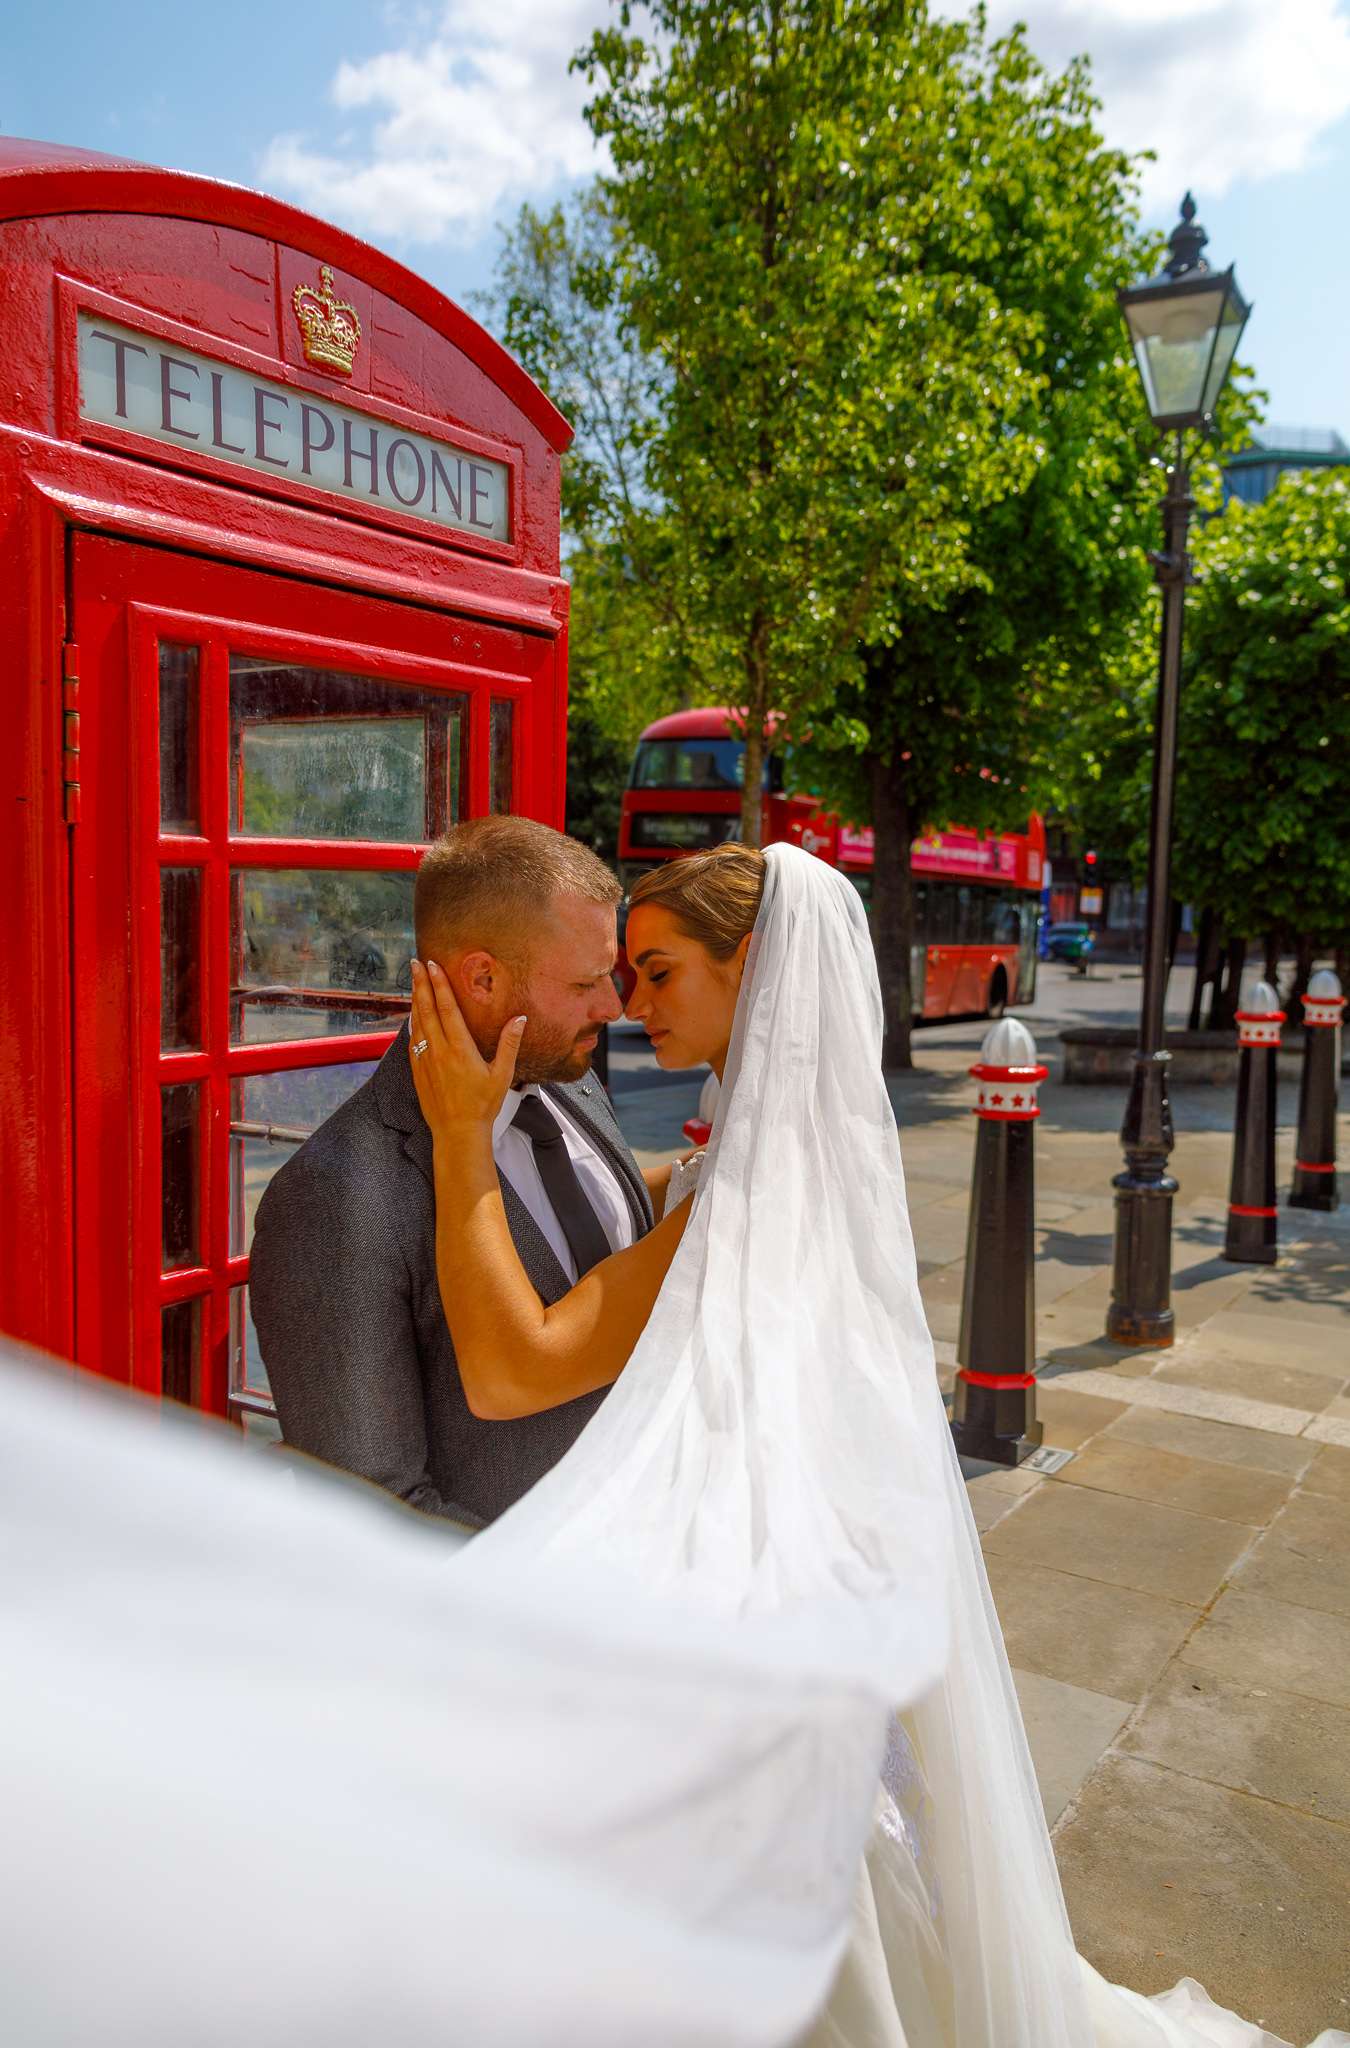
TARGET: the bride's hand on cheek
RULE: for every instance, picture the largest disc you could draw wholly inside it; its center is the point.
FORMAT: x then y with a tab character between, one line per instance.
459	1091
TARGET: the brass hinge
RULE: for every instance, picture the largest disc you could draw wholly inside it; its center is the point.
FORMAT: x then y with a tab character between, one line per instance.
70	732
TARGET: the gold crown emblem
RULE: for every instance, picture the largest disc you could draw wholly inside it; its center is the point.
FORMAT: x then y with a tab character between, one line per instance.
329	327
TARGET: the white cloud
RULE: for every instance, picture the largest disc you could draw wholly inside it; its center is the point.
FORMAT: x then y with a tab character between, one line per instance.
475	109
1223	91
466	118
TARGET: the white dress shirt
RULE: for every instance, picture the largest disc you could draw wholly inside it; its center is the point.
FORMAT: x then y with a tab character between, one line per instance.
601	1185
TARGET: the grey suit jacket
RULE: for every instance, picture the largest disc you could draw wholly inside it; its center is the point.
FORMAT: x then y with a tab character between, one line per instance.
348	1312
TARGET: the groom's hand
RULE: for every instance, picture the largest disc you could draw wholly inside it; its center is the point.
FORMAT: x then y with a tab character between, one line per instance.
457	1088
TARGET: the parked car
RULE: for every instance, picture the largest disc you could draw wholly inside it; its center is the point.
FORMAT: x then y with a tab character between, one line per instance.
1071	942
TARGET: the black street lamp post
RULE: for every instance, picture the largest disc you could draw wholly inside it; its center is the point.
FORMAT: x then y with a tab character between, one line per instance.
1185	326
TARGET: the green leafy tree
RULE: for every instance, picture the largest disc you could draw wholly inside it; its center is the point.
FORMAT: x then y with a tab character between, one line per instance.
556	302
830	409
967	705
597	772
1263	791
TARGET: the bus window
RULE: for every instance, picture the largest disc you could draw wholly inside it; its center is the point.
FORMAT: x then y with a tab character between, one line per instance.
941	913
697	764
1005	926
967	931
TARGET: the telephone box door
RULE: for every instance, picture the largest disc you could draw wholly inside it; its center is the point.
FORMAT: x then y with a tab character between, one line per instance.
261	763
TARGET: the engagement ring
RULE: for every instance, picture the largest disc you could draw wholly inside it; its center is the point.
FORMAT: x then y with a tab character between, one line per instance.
419	1048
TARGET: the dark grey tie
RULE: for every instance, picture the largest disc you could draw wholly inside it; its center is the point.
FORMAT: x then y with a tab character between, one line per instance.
580	1224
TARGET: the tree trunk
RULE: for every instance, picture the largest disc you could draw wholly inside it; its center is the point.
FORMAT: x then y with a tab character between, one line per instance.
893	828
1305	953
1173	935
756	712
1206	963
1274	947
752	795
1227	988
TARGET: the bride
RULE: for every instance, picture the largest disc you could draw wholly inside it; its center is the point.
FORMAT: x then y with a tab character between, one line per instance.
774	1454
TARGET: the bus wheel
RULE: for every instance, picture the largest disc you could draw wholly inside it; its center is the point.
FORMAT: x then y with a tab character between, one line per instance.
998	994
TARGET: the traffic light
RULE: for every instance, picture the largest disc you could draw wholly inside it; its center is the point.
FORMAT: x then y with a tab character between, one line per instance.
1091	859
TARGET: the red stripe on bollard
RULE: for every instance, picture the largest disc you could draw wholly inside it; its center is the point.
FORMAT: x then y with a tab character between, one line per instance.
1314	1183
998	1379
1250	1237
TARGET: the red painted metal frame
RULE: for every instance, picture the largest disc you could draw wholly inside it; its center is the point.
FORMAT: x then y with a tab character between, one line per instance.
124	583
38	179
215	266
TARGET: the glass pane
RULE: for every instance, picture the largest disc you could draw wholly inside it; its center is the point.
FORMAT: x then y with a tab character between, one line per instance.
317	754
263	1429
501	734
248	1375
1225	348
180	896
318	952
1173	343
180	1352
178	671
691	764
179	1128
270	1114
941	913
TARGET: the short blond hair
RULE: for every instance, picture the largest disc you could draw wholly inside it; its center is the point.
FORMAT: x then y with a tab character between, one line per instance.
713	897
489	881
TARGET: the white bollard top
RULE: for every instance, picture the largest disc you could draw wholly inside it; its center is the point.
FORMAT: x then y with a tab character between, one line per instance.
1263	1001
1008	1044
1008	1073
1260	1017
1323	985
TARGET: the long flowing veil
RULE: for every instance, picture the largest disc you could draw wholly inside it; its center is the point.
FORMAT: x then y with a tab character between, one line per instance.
278	1770
777	1448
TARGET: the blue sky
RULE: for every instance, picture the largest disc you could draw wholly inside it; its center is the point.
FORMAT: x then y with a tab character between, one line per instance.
423	126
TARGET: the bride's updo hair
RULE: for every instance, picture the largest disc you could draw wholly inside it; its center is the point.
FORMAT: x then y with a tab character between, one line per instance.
713	897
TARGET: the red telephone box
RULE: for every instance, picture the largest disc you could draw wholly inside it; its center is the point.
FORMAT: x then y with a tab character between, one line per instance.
279	601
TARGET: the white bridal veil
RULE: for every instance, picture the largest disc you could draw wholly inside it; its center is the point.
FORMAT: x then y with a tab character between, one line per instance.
278	1770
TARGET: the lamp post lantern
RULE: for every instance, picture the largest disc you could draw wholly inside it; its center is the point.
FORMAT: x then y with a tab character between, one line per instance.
1185	325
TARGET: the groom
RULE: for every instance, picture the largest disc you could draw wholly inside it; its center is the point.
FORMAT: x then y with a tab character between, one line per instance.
343	1278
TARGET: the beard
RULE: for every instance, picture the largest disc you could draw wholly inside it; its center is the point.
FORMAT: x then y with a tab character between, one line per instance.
548	1054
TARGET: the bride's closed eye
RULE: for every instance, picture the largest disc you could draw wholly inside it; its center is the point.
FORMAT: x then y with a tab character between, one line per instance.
654	978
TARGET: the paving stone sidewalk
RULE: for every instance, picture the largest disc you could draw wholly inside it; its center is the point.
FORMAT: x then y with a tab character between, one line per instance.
1176	1600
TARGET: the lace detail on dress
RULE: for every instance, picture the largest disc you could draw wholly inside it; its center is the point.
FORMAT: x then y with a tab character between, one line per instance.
683	1180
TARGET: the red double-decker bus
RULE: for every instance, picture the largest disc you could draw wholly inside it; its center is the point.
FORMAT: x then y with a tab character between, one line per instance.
976	894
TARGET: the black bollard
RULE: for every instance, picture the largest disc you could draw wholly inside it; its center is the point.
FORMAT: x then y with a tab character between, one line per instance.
1250	1238
1314	1182
994	1411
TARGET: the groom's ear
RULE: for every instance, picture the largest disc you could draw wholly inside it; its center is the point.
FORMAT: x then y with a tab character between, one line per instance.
476	979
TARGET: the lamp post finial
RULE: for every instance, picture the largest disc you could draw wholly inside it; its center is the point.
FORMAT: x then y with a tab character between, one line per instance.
1185	242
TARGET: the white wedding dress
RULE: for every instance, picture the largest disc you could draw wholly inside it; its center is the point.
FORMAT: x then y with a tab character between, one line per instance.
710	1742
